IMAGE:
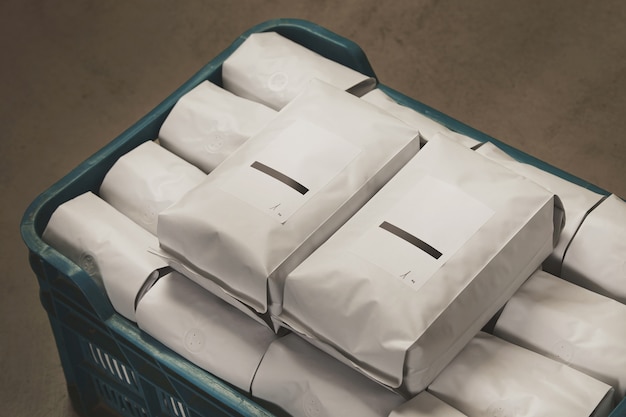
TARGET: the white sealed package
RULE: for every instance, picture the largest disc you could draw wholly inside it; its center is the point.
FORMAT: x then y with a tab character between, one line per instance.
209	123
273	70
147	180
422	267
570	324
492	377
278	197
109	246
425	404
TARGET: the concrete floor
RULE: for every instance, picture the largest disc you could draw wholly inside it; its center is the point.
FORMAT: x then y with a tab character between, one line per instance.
546	77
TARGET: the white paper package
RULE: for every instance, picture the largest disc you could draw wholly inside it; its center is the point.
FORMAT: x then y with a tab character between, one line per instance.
305	382
414	275
577	201
204	329
425	404
147	180
492	377
570	324
271	69
208	123
596	257
284	192
108	246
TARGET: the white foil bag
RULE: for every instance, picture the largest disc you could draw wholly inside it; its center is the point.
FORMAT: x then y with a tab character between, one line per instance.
425	404
209	123
304	381
415	274
269	205
494	378
570	324
147	180
271	69
577	201
596	257
109	246
204	329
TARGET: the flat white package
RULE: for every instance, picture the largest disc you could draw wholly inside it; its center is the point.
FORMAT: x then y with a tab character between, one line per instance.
208	123
304	381
492	377
415	274
204	329
425	404
596	257
109	246
570	324
271	69
577	201
278	197
147	180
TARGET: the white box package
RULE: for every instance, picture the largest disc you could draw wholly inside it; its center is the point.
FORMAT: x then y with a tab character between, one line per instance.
596	257
271	69
204	329
284	192
571	324
147	180
304	381
416	273
577	201
492	377
425	404
109	246
209	123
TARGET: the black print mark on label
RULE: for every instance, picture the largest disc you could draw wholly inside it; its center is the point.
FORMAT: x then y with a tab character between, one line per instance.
275	208
405	274
280	177
406	236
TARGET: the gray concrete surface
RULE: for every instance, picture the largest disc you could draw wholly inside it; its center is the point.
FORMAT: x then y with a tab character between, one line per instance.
548	77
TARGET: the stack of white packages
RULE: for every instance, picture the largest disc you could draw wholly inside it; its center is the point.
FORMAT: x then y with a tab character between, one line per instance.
425	404
415	274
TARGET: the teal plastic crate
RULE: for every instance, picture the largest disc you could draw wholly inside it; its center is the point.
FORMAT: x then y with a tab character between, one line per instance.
110	366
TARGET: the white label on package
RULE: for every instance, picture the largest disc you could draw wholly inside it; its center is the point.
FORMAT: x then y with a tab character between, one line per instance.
291	169
422	231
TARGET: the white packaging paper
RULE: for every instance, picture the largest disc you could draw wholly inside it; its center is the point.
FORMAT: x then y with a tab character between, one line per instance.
577	201
271	69
570	324
425	404
416	273
107	245
491	377
208	123
204	329
596	257
147	180
284	192
304	381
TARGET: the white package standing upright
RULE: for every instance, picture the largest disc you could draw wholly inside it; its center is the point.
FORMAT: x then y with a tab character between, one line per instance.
204	329
425	404
209	123
492	377
596	257
304	381
416	273
147	180
273	70
571	324
278	197
109	246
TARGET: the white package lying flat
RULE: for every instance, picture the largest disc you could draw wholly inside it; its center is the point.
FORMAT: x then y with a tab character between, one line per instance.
571	324
415	274
147	180
577	201
304	381
107	245
596	257
204	329
492	377
425	404
427	127
209	123
271	69
284	192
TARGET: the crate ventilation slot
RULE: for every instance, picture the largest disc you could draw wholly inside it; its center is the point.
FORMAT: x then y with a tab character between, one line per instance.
111	365
172	406
118	401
